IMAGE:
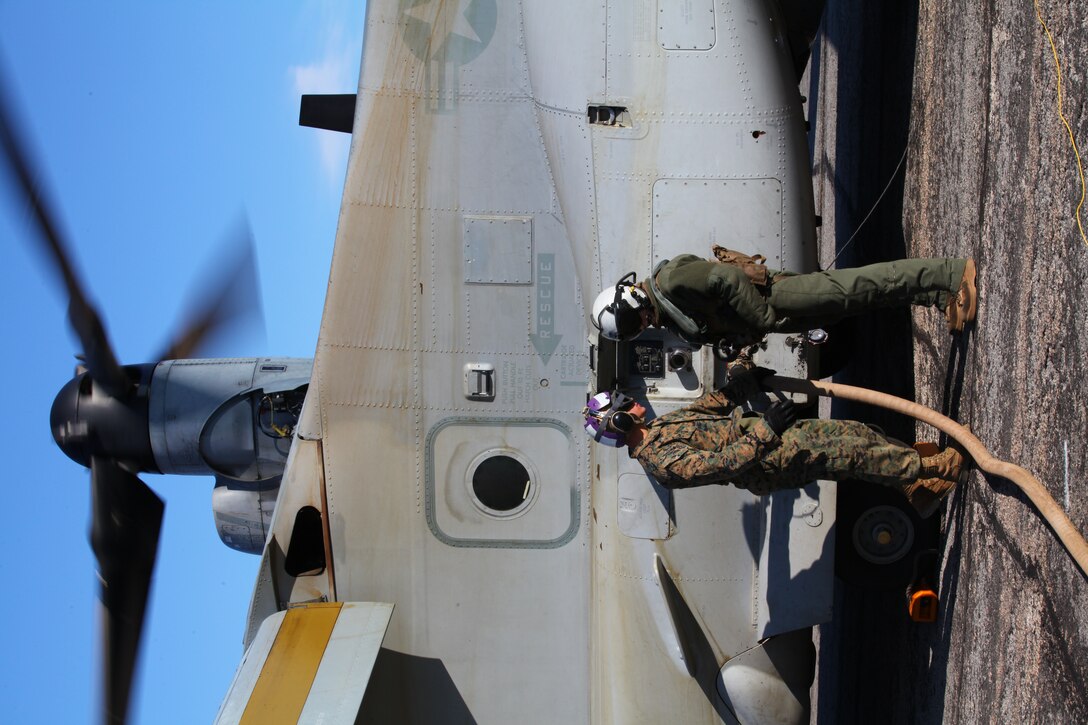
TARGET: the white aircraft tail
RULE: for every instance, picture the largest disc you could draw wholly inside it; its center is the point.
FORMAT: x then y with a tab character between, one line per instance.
310	663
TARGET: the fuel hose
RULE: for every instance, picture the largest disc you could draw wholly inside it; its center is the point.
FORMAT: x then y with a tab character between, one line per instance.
1067	533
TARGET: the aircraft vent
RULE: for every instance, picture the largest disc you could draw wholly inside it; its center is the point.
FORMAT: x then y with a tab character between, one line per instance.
609	116
306	552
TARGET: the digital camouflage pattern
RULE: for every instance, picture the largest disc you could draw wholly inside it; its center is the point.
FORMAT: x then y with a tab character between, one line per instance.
722	299
711	441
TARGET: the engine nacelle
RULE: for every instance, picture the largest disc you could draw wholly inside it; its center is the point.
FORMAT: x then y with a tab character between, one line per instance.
243	512
231	418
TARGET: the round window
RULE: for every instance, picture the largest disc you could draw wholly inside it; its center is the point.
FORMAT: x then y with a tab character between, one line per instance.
501	484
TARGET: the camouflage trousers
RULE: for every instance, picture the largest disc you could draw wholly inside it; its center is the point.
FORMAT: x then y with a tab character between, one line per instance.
834	450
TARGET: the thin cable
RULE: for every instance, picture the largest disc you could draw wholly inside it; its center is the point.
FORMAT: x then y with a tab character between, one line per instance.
875	205
1061	114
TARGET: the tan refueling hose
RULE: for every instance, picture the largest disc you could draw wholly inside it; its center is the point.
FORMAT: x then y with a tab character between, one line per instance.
1029	484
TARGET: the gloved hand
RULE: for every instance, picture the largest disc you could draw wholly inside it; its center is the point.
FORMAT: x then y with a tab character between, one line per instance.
760	374
745	382
781	415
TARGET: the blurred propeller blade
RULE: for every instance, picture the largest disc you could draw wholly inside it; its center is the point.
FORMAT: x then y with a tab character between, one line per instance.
126	517
230	299
86	322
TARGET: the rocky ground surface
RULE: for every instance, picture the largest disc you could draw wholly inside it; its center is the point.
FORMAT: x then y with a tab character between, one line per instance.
956	104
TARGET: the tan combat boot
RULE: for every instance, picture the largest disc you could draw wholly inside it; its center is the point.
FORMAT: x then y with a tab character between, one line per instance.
939	475
962	306
946	465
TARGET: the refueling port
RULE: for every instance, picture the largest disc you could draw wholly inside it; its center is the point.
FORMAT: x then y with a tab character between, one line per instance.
678	359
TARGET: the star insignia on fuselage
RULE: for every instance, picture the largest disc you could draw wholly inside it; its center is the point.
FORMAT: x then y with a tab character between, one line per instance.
444	19
454	30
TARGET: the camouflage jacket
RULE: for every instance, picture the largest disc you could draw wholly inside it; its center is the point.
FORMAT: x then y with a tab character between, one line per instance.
703	443
715	295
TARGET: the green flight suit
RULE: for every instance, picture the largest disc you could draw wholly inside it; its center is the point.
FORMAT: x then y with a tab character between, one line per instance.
710	442
721	298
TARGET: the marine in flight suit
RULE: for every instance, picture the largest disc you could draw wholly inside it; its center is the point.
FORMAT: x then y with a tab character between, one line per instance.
741	300
724	299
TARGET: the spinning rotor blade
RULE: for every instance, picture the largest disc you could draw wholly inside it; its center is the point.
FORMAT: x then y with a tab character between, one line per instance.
126	517
101	361
231	298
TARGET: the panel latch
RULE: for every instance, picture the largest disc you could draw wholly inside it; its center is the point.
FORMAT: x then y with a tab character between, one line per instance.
479	381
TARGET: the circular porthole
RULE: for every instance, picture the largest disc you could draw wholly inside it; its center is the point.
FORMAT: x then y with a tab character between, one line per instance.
501	483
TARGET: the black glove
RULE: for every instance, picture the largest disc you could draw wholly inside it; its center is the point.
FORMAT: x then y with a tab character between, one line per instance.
781	415
745	383
760	374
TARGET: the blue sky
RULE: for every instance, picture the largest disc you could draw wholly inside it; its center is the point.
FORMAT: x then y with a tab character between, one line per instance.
156	124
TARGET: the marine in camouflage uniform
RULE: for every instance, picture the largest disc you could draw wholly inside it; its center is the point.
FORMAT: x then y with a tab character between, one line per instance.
723	299
711	441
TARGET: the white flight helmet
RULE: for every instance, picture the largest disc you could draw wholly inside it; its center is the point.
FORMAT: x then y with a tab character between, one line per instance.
616	309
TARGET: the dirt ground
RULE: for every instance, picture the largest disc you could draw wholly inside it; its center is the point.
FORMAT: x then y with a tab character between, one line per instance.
956	106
